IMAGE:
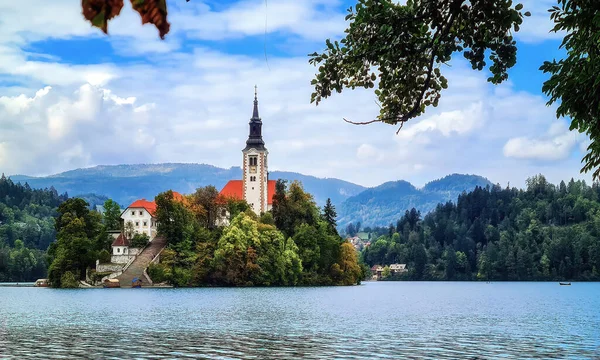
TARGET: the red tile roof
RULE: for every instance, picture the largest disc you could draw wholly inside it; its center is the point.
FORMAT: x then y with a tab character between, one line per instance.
150	206
234	189
121	241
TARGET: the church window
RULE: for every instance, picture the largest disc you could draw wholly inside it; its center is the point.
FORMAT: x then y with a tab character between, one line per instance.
252	178
253	160
223	213
119	250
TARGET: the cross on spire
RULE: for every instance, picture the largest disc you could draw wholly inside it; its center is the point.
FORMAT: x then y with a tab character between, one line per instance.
255	92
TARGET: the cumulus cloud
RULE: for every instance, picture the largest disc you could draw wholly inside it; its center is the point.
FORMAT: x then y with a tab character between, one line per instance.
557	144
191	103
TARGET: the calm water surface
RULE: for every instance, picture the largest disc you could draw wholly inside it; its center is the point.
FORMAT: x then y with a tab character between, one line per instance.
377	320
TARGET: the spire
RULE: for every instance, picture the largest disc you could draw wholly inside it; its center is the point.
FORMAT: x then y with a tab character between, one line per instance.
255	112
255	139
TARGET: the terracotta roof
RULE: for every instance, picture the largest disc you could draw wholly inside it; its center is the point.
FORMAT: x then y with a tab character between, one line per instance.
121	241
234	189
150	206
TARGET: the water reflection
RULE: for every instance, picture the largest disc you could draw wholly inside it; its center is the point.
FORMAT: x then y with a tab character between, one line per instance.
377	320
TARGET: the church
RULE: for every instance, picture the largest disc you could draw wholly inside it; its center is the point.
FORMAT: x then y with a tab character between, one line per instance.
255	186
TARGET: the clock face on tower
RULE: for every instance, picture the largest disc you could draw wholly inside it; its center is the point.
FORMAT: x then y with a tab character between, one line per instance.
252	169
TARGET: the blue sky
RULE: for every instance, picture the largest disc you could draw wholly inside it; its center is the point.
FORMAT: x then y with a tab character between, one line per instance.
73	97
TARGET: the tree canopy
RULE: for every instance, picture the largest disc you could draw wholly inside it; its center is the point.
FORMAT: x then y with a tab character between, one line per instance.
404	48
545	232
294	244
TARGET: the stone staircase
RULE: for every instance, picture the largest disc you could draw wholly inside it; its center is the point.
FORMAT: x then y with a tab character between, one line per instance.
141	262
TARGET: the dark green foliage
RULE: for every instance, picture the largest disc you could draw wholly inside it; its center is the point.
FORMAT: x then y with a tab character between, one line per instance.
172	218
575	80
330	215
80	239
139	240
69	281
408	44
545	232
104	256
26	229
112	215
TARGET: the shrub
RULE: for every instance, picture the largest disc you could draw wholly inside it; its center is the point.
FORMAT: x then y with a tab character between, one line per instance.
69	281
104	256
139	240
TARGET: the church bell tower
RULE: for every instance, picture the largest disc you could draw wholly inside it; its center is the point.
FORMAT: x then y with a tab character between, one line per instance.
255	173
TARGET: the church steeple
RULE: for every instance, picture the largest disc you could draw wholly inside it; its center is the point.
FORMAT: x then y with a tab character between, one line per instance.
255	139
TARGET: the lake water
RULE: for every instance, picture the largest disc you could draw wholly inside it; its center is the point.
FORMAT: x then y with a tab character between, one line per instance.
377	320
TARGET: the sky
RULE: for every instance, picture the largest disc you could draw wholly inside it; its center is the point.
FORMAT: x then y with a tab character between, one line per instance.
73	97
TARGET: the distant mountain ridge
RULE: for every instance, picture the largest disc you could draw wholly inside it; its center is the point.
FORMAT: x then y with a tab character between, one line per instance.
380	205
386	203
126	183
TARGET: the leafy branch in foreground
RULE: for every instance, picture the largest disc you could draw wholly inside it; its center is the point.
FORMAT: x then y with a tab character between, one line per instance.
575	80
407	44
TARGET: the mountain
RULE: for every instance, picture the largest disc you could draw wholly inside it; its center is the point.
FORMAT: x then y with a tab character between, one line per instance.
126	183
386	203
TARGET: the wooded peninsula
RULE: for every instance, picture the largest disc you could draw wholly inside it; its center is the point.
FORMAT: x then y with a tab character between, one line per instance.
543	232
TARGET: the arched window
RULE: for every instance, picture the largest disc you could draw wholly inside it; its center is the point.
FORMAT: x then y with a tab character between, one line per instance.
119	250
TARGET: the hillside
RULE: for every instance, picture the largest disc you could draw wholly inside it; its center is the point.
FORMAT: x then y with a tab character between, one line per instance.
386	203
126	183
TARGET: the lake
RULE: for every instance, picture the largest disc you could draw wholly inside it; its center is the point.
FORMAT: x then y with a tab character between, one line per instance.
376	320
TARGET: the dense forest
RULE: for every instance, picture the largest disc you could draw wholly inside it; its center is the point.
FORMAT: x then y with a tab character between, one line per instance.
294	244
545	232
26	229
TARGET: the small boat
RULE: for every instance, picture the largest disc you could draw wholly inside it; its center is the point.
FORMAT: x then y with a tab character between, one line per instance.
136	282
41	283
564	283
111	283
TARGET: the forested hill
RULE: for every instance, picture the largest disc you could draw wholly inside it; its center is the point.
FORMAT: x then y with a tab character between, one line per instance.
26	229
545	232
385	203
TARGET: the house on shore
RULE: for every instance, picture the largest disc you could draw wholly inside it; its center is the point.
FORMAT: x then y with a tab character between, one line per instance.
398	269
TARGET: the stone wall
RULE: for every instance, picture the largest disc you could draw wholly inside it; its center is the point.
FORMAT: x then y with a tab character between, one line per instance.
109	267
120	259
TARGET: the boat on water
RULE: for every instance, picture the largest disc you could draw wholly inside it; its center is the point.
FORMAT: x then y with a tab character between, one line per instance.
565	283
111	283
41	283
136	282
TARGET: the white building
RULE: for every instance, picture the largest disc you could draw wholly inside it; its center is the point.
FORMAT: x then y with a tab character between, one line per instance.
141	215
398	268
121	251
255	186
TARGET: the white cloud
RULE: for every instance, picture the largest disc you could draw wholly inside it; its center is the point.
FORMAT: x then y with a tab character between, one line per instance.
558	144
194	105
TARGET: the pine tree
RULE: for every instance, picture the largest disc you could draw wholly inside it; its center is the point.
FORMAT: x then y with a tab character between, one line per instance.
329	214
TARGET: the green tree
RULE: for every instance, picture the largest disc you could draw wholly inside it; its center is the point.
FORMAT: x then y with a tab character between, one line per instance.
172	217
574	80
112	215
409	43
330	215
